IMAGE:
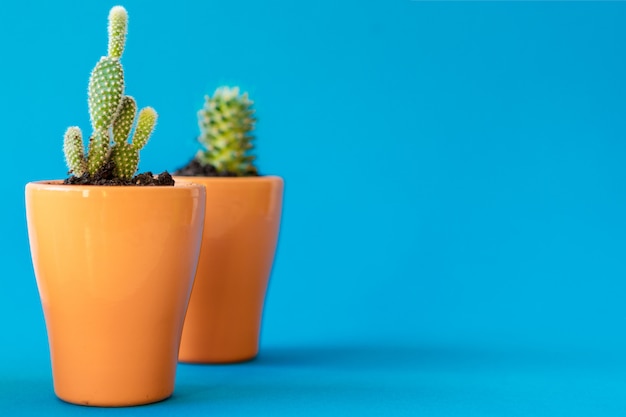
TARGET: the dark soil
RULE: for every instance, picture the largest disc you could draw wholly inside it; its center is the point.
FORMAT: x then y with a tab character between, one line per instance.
105	177
195	169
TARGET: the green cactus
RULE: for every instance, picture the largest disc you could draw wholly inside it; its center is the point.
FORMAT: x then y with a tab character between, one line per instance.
106	89
98	150
145	125
73	149
226	122
118	25
126	155
123	123
126	160
112	114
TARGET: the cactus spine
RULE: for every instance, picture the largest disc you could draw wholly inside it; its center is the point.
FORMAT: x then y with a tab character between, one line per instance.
226	122
111	113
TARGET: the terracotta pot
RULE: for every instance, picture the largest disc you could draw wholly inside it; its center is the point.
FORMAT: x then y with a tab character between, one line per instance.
114	268
242	220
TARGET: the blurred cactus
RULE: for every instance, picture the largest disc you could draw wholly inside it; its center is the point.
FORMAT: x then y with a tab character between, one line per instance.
226	122
112	114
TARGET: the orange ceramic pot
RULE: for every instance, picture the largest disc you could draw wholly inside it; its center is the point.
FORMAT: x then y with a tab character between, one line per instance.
114	268
242	220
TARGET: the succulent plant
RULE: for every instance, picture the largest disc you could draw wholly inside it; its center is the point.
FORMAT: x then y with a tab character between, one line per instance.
112	114
226	122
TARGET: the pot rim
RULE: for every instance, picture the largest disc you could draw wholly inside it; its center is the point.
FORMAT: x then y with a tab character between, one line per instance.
258	178
58	185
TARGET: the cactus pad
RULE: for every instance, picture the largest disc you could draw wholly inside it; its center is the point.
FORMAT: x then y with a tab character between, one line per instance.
123	123
126	159
74	151
118	24
145	125
106	87
98	151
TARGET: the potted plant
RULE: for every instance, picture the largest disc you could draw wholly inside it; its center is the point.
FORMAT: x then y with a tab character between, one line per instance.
241	227
114	253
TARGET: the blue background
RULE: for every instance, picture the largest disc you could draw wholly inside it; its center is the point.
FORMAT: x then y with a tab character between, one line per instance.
454	220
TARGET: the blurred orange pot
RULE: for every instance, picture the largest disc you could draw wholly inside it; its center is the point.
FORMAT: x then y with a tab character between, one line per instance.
114	268
242	220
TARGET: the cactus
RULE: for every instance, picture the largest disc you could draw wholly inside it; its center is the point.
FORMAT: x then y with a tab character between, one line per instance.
98	151
112	114
124	121
226	122
126	155
73	149
118	26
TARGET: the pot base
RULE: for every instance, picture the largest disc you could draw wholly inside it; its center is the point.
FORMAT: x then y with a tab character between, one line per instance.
114	404
216	361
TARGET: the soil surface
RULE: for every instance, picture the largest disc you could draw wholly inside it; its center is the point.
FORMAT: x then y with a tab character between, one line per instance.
105	177
196	169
